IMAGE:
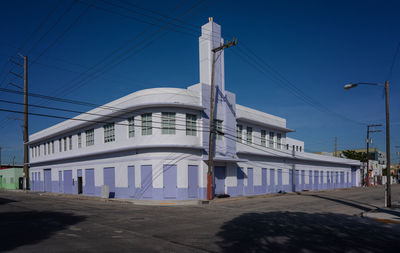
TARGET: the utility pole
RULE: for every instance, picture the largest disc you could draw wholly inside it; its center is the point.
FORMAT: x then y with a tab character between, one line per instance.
335	153
212	132
388	193
368	141
26	137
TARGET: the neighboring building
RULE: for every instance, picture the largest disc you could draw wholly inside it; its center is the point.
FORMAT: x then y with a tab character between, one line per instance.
374	154
11	177
153	144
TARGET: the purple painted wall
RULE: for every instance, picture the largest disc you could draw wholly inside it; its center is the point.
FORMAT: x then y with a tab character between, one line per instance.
60	182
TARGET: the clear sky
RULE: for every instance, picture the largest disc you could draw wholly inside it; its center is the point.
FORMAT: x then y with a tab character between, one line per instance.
98	51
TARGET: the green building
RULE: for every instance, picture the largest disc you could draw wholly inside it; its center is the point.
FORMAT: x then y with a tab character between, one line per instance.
11	178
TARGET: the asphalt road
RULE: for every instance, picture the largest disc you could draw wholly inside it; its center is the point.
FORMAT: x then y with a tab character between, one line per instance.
325	221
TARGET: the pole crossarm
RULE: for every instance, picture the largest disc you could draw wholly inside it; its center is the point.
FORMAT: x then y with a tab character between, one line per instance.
15	74
226	45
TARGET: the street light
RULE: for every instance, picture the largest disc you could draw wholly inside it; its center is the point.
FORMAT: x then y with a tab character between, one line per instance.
388	199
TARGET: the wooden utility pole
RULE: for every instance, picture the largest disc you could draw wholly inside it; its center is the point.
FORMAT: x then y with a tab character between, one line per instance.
388	194
210	194
26	138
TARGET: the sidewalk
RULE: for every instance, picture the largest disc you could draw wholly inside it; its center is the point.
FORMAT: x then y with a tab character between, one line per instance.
386	215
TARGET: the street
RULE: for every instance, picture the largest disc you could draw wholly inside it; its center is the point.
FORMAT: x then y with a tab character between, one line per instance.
322	221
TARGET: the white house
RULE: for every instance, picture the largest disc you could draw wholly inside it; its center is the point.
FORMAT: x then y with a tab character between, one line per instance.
153	144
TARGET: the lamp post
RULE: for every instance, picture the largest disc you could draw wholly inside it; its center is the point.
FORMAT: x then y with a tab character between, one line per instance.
388	198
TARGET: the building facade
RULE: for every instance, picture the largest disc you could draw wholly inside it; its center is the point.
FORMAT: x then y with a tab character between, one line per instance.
153	144
11	177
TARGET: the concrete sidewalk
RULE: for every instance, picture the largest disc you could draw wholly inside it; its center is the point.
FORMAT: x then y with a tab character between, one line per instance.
386	215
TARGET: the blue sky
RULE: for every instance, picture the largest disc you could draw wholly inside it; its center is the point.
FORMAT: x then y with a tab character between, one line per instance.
318	46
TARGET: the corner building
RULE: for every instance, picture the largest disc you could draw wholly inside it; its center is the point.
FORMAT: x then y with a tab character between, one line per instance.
153	144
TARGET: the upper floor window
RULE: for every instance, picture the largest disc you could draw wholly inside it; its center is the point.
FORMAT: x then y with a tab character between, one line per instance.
79	140
300	148
39	149
297	148
65	143
52	147
59	145
131	127
89	137
239	133
45	148
109	132
278	140
70	142
249	135
287	146
191	128
218	129
263	137
147	124
271	139
48	148
168	122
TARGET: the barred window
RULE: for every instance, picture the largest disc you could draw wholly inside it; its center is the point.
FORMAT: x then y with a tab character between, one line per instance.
263	136
239	133
89	137
271	139
109	132
168	122
79	140
147	124
70	142
218	129
278	141
131	127
249	135
191	128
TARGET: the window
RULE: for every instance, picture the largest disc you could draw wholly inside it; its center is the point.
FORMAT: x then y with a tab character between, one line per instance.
249	135
300	148
79	140
271	139
146	124
109	132
48	148
89	137
191	128
263	136
287	146
65	143
278	141
45	149
218	129
239	133
52	147
168	122
39	150
70	142
60	145
131	127
293	148
297	148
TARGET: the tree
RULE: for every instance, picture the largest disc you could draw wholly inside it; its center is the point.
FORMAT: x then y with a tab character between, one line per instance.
351	154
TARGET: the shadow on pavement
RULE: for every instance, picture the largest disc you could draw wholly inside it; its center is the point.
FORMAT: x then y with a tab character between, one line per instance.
304	232
345	202
4	201
31	227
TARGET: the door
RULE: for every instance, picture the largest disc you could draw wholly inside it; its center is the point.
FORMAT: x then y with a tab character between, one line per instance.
131	181
316	180
347	179
47	180
342	179
20	183
146	172
353	178
302	177
336	179
310	180
240	181
60	182
67	181
272	180
297	180
170	181
109	179
250	181
193	181
40	187
328	179
264	180
219	180
321	179
280	180
291	181
89	182
80	183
